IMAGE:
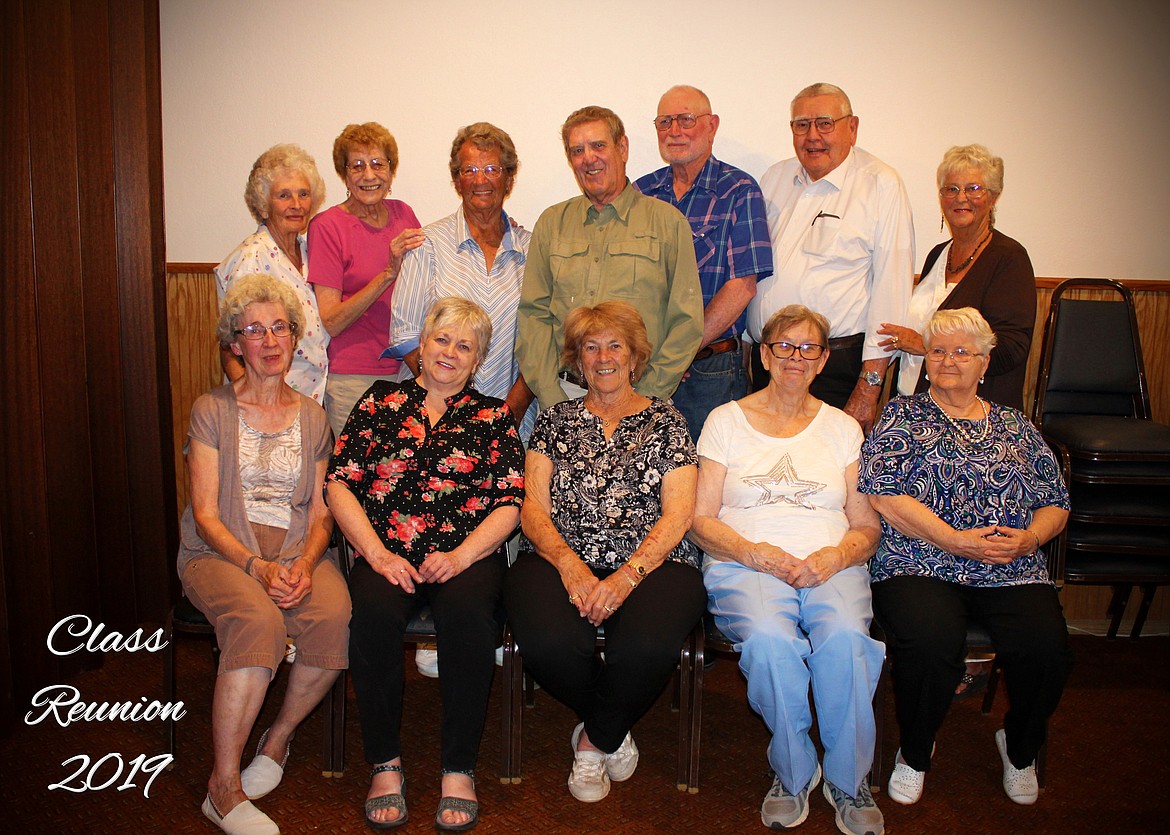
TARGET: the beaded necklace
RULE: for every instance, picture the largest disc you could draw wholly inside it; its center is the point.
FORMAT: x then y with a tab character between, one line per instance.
959	430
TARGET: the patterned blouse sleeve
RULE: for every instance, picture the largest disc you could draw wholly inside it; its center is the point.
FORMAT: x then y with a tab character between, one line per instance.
349	465
1048	481
674	447
506	461
887	454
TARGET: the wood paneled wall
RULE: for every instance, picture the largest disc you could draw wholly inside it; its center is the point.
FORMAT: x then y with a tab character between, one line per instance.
86	498
195	369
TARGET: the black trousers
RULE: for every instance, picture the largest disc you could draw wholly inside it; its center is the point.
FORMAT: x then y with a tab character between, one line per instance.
468	623
925	621
833	385
642	642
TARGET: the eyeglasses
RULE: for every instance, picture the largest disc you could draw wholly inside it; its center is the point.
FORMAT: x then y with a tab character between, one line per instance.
358	166
974	191
824	124
492	172
686	121
784	350
279	328
960	356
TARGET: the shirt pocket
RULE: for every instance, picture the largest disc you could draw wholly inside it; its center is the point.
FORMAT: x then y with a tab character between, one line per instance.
832	238
706	240
634	269
568	263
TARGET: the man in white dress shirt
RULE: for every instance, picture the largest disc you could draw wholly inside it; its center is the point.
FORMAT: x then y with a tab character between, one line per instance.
842	245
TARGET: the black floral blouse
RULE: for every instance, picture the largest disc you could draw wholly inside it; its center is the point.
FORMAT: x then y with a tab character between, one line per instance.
607	495
426	488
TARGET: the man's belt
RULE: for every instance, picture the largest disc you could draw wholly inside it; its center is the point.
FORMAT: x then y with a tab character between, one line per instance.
723	346
842	343
569	377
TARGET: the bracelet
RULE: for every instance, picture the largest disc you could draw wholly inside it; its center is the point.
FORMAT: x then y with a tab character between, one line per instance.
248	564
1029	530
633	583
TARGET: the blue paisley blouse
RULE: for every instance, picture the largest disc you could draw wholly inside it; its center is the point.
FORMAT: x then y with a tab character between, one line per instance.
968	483
607	495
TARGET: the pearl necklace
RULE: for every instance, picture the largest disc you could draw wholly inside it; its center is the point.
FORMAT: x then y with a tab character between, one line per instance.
970	258
963	433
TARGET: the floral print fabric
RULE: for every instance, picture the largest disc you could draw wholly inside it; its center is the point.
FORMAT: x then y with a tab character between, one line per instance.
425	488
607	495
999	480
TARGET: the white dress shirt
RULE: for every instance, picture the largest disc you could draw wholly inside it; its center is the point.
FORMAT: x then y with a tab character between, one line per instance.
842	246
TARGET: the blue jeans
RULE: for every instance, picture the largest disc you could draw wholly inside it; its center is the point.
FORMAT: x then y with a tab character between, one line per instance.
788	638
709	383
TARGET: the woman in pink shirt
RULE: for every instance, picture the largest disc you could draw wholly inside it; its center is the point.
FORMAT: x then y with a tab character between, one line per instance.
356	250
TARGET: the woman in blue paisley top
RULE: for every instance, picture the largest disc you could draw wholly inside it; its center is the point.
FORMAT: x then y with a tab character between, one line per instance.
610	493
968	493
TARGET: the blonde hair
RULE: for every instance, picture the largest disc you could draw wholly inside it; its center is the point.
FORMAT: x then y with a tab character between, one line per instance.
457	312
961	320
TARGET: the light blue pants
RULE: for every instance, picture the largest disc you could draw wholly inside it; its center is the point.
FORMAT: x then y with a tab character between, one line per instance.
790	637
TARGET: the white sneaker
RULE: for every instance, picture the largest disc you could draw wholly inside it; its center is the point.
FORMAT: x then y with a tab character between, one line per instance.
588	781
1020	784
905	784
621	763
427	661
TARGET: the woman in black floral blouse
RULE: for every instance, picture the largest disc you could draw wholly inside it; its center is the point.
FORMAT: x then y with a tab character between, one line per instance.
426	482
611	491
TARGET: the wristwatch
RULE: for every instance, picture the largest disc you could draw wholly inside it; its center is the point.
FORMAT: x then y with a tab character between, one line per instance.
871	377
638	569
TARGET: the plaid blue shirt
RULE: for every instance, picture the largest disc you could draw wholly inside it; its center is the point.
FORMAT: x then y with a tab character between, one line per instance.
729	225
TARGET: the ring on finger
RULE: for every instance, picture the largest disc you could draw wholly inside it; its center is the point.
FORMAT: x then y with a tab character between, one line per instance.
607	608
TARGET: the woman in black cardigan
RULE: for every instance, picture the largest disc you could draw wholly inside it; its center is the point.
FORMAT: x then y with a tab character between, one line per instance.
978	267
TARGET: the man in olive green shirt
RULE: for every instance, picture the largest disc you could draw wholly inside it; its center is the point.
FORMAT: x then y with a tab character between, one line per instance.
610	243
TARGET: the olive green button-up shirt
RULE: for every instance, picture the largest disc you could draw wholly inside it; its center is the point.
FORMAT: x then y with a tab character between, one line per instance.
637	249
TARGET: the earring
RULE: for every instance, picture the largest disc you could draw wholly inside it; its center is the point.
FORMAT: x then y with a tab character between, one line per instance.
926	376
981	381
347	194
942	219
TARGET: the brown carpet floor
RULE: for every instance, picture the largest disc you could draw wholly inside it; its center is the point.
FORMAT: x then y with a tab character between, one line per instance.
1107	768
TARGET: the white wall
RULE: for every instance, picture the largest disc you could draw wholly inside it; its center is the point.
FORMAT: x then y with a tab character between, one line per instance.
1069	92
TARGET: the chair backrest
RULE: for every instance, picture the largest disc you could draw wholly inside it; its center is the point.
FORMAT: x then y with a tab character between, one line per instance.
1091	360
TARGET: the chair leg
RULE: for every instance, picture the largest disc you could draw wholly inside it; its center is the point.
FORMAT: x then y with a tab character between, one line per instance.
698	661
1148	590
333	708
992	686
681	702
1121	592
512	709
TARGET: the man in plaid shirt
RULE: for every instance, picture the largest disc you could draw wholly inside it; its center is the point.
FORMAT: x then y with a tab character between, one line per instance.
725	209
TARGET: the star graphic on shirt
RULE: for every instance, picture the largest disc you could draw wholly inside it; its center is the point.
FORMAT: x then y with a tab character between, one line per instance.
781	484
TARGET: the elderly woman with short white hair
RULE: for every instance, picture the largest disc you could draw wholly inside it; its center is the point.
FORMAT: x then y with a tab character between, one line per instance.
968	493
283	192
253	551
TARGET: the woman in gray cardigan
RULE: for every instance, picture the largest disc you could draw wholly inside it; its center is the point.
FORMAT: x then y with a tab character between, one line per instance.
253	542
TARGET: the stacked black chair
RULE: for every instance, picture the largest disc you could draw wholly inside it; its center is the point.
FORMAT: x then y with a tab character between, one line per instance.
1093	407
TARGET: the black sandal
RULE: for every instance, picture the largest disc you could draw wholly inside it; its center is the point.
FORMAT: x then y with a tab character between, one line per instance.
395	800
458	804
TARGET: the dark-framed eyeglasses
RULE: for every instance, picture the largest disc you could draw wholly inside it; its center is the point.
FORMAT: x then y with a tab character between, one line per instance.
784	350
492	172
960	356
686	121
280	329
974	191
823	124
358	166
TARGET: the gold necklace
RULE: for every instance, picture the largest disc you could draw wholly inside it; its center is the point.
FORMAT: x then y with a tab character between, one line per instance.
963	433
970	258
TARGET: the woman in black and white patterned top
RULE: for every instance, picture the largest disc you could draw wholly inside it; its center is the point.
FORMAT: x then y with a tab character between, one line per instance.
610	492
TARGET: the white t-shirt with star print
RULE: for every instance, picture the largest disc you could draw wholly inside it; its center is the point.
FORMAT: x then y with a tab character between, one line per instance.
789	492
